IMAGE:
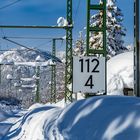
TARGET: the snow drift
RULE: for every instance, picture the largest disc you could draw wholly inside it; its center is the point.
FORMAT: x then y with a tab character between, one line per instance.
97	118
120	73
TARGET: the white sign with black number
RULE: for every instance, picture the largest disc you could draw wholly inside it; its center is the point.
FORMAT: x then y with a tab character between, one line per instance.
88	74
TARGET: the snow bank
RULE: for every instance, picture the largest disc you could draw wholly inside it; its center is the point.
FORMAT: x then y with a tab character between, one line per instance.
32	124
120	73
100	118
3	115
97	118
9	107
8	115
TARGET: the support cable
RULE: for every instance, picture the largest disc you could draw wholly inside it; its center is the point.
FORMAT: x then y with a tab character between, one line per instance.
10	4
18	44
77	10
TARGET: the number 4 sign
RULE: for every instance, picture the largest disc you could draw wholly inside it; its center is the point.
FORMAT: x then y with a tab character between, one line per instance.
89	74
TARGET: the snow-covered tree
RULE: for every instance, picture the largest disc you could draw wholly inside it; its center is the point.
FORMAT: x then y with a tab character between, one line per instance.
79	45
115	29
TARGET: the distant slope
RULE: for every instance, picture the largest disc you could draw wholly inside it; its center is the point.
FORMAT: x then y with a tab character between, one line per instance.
15	86
26	55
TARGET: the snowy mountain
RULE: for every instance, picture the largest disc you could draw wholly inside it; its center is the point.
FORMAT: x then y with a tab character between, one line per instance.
20	64
25	55
61	55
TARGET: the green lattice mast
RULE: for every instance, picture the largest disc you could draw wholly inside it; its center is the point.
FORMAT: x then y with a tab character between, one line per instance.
53	75
68	69
90	29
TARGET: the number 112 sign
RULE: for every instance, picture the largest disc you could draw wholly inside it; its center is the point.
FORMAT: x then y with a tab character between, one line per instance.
88	74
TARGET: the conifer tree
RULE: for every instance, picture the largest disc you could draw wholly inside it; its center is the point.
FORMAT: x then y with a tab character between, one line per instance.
115	29
79	45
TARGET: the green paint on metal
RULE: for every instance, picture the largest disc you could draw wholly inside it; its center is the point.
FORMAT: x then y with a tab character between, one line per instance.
88	26
34	26
53	75
90	51
0	73
136	49
68	66
37	97
53	72
96	29
105	42
96	7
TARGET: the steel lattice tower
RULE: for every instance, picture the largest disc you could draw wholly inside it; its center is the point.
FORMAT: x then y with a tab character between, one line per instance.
136	50
90	51
68	66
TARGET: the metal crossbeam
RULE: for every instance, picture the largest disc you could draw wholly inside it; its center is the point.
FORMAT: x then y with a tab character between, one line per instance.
29	37
91	51
96	29
97	7
34	26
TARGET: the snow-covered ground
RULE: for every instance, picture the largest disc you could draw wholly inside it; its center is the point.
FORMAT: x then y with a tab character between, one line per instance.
97	118
120	73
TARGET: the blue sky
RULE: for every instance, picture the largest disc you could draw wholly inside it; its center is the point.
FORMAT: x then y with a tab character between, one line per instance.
46	12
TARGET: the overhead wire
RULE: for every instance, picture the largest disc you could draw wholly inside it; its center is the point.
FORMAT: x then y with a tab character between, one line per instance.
77	10
4	34
39	38
19	44
42	44
10	4
3	7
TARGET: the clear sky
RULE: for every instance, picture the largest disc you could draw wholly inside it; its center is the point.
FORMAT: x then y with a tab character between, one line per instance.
46	12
